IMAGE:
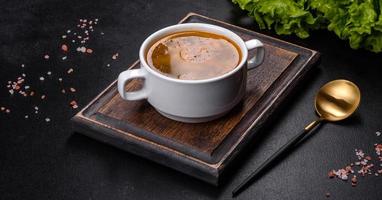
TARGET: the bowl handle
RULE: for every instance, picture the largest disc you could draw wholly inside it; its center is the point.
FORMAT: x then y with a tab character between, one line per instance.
127	75
259	57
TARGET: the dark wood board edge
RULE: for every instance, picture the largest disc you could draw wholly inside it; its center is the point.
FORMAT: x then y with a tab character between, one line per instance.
147	149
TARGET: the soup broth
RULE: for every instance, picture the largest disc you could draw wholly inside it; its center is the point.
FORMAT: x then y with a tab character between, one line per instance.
194	55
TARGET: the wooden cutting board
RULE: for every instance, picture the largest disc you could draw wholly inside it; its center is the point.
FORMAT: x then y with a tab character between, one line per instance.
201	150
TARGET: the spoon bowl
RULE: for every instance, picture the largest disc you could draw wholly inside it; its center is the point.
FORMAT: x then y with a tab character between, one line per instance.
337	100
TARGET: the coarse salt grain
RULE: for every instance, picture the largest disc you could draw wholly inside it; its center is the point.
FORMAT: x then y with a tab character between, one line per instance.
72	89
47	119
60	79
327	194
26	116
378	133
70	70
49	73
378	149
73	104
42	78
89	51
115	56
46	56
22	65
7	110
354	180
64	58
64	47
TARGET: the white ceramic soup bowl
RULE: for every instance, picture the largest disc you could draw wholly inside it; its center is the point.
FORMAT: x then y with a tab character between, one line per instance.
192	101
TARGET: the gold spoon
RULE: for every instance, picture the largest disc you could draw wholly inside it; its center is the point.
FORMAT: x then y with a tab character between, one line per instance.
335	101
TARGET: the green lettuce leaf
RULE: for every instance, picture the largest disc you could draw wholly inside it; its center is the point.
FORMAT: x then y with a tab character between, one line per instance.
285	16
358	21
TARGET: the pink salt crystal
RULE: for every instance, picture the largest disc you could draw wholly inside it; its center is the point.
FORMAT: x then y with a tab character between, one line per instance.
64	47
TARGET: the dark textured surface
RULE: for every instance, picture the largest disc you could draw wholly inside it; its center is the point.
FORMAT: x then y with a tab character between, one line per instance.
49	161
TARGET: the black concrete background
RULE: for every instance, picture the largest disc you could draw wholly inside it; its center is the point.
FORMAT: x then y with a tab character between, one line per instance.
40	160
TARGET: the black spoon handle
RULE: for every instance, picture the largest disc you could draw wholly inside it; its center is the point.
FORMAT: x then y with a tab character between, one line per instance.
274	157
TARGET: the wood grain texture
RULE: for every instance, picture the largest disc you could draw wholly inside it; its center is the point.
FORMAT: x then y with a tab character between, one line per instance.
202	150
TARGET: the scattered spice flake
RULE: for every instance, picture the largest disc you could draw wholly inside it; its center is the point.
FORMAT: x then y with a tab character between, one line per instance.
47	119
115	56
70	70
331	174
378	149
365	168
64	47
354	181
81	49
73	104
17	87
63	91
108	65
378	133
